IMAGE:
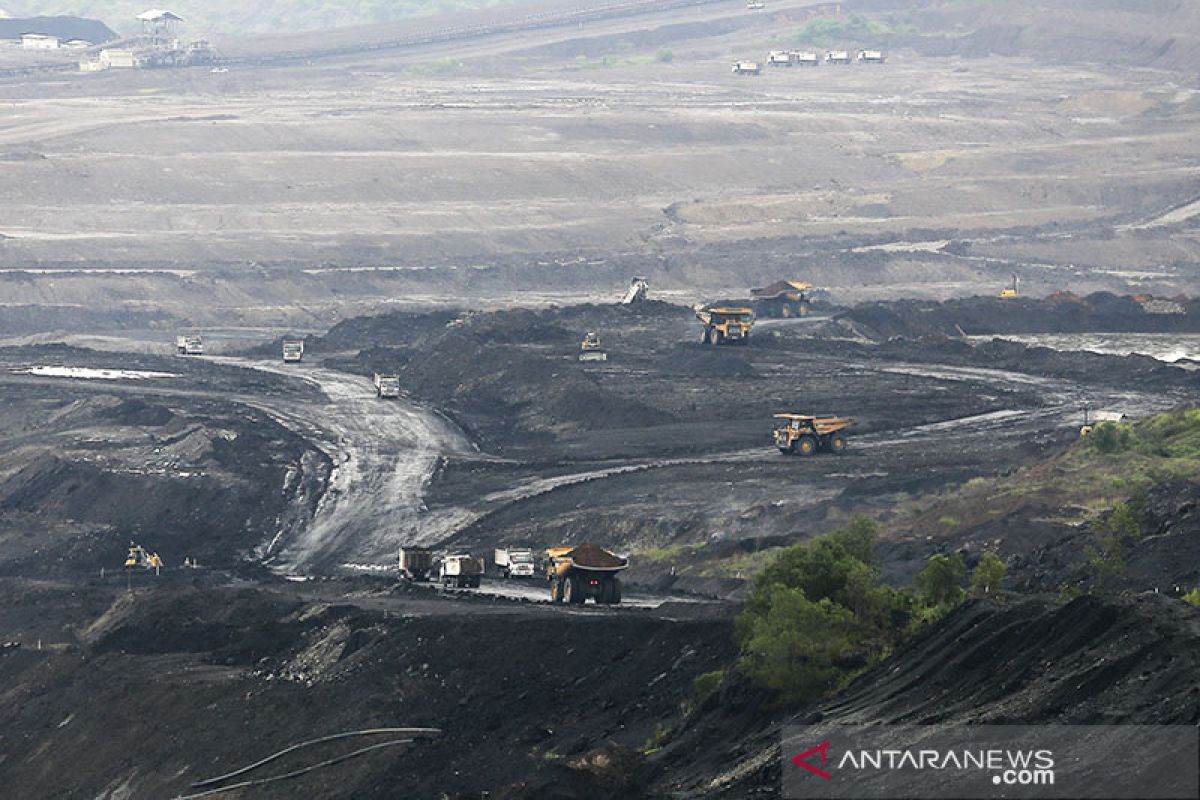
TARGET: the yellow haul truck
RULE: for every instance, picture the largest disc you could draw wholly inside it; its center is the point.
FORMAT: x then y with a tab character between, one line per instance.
723	325
803	435
577	573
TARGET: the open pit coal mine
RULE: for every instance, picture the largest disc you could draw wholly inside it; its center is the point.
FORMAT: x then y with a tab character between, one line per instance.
279	630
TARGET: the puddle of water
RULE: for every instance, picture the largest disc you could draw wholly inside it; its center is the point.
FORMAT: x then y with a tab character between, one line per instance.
90	373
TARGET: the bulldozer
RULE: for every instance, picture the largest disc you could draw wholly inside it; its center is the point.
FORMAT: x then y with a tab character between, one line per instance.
804	435
590	349
725	325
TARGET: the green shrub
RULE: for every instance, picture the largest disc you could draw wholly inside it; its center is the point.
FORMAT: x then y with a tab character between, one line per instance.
1193	597
940	583
1111	437
705	684
797	646
988	575
664	56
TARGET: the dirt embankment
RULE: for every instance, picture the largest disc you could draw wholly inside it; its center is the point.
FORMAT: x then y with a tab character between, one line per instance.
1092	661
1097	312
87	470
202	681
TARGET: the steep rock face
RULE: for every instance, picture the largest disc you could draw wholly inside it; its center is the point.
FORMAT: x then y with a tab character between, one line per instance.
1092	661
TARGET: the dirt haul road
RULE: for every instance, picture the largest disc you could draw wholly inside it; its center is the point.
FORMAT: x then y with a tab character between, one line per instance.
384	453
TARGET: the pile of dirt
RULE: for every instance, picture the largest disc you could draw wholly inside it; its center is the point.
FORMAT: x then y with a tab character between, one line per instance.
200	479
593	557
510	378
203	681
1129	660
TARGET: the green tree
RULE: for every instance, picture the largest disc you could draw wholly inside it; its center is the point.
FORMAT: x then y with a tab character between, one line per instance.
798	646
940	583
1193	597
988	575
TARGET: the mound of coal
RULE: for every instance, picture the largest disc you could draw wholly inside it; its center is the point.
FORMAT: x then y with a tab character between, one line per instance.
93	473
1098	312
589	555
1112	660
532	702
511	378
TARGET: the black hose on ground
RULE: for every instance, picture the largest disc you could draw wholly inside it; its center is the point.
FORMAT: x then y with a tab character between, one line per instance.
294	773
332	737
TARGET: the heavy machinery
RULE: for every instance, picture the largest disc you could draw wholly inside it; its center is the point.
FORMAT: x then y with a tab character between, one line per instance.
387	386
582	572
590	349
746	68
1010	292
462	571
804	59
870	56
139	558
837	57
725	325
416	563
756	5
189	345
293	350
515	562
636	292
803	435
782	299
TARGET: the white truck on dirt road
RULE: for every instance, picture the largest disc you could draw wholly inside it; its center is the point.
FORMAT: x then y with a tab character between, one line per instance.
515	562
416	563
837	57
462	571
746	68
387	386
189	345
293	350
870	56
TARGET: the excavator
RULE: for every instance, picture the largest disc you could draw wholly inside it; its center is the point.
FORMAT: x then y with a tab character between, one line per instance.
139	557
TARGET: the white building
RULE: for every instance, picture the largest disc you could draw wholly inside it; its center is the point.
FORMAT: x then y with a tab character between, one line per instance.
38	41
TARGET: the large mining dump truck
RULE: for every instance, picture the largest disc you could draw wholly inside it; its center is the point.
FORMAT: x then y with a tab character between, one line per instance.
387	386
462	571
725	325
189	345
416	563
586	571
803	435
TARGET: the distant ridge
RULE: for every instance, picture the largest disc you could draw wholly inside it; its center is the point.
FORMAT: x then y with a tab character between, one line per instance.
91	30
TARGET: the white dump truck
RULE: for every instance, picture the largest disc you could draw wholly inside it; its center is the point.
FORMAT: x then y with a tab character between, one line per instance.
746	68
804	59
870	56
189	345
293	350
462	571
416	563
837	57
636	292
515	562
780	58
387	386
